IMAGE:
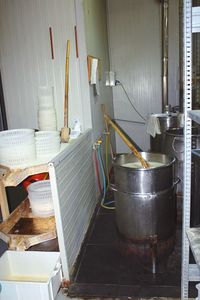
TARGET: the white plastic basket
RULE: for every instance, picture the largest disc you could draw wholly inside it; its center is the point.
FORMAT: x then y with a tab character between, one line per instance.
40	196
44	134
47	143
18	156
10	138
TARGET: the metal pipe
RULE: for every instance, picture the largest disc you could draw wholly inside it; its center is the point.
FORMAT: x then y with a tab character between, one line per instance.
165	39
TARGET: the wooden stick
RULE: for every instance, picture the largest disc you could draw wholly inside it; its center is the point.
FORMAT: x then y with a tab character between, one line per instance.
66	85
144	163
65	130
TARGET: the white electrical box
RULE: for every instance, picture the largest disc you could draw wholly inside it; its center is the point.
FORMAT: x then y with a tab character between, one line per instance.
30	275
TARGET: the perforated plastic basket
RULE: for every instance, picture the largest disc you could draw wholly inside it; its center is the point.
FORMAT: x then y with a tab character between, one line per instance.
9	138
40	196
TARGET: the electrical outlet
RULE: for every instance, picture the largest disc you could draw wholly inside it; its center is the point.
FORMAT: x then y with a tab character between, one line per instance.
110	78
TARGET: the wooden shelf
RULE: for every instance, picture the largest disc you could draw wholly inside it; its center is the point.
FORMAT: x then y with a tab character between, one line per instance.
12	177
22	229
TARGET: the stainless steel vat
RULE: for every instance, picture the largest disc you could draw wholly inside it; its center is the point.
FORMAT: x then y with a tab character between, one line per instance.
146	205
174	145
195	207
167	121
140	180
140	216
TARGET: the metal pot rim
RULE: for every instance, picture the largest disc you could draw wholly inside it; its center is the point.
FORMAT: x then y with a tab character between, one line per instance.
171	162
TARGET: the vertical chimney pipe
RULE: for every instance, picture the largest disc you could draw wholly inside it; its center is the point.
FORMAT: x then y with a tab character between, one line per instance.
165	41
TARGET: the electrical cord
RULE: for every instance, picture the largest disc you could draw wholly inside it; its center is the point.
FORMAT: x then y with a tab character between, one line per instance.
130	121
117	82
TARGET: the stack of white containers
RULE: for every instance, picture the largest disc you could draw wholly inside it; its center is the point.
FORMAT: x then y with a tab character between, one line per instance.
40	196
47	143
17	147
46	109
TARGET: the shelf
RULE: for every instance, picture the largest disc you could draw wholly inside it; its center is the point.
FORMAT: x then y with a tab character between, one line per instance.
193	235
22	229
194	115
196	155
13	177
196	19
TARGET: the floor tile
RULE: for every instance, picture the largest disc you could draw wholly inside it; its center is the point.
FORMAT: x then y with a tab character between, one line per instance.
100	264
105	271
104	231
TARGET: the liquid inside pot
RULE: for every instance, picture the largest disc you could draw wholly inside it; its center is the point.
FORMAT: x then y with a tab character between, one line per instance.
137	165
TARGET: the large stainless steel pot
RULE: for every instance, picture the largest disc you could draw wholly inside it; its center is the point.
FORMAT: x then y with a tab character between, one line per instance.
145	202
167	121
140	216
174	145
152	180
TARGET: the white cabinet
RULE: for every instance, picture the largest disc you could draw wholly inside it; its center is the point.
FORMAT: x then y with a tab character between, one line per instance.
26	60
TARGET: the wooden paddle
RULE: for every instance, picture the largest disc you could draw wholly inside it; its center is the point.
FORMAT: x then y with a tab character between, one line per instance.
65	130
107	118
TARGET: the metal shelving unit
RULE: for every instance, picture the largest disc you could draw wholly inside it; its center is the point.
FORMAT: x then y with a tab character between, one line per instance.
190	236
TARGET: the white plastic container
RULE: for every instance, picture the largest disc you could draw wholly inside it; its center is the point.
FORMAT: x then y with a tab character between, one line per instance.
16	137
47	119
47	143
46	134
45	97
17	147
18	156
30	275
40	196
46	101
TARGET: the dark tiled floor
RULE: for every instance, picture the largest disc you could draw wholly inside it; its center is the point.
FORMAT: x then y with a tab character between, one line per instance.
104	272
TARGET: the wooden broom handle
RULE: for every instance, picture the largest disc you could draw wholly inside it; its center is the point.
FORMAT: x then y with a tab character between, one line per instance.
144	163
66	85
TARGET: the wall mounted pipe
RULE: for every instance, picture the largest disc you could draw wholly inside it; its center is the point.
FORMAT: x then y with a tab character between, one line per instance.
165	40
